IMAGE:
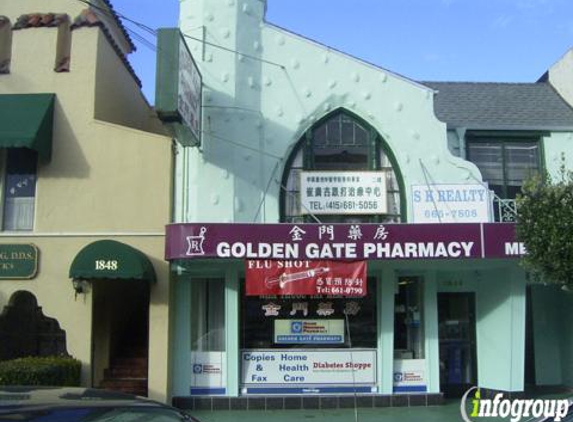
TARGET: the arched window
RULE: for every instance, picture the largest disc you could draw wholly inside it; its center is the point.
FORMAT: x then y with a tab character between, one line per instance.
340	142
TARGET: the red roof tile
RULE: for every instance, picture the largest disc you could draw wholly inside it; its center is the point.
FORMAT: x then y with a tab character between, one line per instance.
40	20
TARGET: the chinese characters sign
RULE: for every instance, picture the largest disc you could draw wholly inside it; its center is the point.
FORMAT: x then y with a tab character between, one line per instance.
342	241
280	278
323	308
350	192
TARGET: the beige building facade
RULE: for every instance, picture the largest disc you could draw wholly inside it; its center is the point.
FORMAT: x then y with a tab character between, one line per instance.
86	182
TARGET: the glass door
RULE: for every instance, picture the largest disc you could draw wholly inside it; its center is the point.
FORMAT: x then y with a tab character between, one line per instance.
457	337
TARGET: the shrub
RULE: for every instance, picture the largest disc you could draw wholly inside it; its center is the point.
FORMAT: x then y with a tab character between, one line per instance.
53	370
545	225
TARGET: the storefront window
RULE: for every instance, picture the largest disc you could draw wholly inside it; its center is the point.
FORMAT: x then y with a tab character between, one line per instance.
263	317
409	362
409	319
296	344
208	315
208	351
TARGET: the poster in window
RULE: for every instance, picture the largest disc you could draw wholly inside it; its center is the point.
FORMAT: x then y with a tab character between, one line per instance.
307	278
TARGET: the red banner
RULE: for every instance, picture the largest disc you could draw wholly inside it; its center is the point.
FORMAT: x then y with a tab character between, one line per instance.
307	278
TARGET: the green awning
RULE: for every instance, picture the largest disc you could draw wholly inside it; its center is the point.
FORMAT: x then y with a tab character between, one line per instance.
26	121
111	259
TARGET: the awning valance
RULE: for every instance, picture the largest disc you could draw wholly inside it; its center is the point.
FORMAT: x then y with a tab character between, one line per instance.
113	260
26	121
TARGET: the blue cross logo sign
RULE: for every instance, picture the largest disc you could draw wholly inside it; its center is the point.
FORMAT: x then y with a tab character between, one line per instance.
296	327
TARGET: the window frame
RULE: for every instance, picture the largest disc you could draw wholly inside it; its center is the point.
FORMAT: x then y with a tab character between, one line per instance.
3	181
504	138
375	145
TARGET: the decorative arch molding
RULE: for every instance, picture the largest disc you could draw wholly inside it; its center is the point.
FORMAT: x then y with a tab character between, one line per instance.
26	331
379	150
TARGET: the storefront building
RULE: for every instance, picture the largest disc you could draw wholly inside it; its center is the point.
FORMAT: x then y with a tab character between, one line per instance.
338	230
81	248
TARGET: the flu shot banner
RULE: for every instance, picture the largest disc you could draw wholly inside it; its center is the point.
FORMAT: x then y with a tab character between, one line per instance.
307	278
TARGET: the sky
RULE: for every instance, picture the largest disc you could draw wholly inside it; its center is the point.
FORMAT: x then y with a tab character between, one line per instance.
425	40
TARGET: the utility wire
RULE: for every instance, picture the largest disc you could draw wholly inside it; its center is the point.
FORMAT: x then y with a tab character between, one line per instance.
142	40
110	14
145	42
230	50
258	151
154	33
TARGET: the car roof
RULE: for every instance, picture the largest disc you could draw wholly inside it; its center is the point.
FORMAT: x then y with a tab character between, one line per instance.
15	397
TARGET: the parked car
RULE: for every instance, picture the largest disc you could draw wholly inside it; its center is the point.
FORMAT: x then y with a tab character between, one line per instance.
63	404
568	417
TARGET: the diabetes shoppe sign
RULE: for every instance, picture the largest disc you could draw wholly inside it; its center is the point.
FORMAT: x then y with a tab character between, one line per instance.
291	371
341	241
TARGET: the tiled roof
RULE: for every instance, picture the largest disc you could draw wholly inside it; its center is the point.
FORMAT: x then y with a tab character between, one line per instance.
39	20
120	24
88	18
517	106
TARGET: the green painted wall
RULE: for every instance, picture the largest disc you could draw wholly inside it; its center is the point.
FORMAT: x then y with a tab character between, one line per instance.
431	332
258	104
547	331
501	328
566	337
181	350
386	291
232	309
553	147
255	111
553	335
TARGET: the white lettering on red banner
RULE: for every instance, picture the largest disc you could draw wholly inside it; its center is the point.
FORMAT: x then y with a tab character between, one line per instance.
307	278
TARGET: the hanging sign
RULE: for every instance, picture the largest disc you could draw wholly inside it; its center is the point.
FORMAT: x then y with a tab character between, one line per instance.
343	192
451	203
281	278
178	87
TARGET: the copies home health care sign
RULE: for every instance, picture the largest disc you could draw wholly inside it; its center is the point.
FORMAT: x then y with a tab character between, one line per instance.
281	278
285	368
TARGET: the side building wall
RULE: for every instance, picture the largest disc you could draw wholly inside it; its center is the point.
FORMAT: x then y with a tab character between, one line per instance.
104	181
